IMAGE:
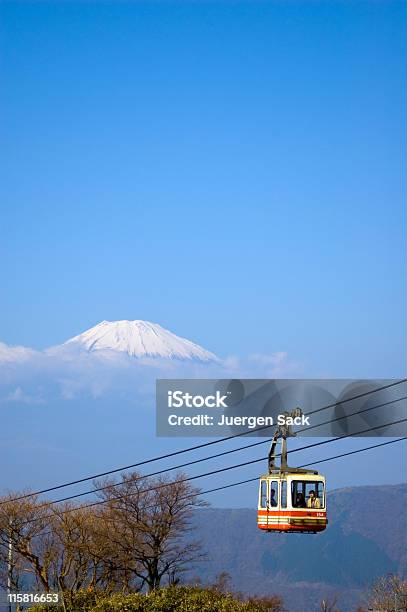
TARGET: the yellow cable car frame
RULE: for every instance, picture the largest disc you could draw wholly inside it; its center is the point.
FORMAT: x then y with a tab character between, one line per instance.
291	500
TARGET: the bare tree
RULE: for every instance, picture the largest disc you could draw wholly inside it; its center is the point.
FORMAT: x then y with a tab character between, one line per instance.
389	593
137	539
50	542
24	523
223	582
149	527
330	605
74	565
11	568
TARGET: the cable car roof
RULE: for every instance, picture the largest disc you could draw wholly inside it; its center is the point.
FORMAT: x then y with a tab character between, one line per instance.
305	474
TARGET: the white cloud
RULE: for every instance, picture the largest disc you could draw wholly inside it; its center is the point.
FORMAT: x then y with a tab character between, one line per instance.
262	365
17	395
13	354
28	376
276	365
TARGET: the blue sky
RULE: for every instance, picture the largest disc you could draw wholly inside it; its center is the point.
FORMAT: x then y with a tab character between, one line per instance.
233	171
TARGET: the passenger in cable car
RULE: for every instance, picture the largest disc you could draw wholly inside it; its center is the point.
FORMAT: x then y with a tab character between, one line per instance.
300	501
273	501
313	501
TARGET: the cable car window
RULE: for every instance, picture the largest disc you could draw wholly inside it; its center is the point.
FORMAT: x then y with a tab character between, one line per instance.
284	494
273	500
263	494
307	494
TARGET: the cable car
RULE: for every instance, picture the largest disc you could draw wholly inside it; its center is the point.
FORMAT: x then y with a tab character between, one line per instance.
291	500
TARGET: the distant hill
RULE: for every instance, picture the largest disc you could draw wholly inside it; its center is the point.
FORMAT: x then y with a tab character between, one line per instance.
366	538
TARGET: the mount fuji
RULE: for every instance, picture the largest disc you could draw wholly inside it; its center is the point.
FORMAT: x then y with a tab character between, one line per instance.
114	359
139	339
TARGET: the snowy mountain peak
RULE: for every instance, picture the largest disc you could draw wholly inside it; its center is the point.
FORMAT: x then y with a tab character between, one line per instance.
140	339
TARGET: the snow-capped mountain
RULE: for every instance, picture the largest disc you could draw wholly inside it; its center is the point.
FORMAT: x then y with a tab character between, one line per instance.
139	339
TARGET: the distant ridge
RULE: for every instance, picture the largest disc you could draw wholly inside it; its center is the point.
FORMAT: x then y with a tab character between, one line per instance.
366	538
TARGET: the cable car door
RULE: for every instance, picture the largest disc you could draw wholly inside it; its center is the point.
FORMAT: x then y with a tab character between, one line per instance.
283	501
264	501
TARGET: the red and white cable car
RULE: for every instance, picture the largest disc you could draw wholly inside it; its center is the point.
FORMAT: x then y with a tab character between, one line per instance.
290	499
